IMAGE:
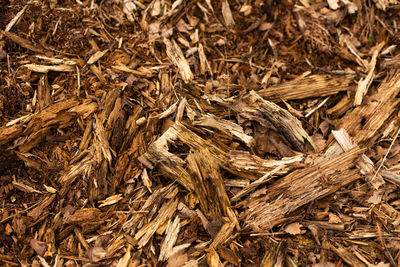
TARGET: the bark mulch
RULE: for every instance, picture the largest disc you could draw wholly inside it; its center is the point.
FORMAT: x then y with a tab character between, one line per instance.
199	133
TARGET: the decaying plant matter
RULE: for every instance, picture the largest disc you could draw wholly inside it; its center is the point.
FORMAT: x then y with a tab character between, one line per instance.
194	133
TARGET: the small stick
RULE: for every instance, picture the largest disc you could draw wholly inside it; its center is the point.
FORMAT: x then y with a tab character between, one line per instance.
387	153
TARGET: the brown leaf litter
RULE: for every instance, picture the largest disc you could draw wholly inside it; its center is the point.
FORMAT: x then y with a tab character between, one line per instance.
195	133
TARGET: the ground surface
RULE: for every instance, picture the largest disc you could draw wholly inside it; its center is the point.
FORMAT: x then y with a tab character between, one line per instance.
165	133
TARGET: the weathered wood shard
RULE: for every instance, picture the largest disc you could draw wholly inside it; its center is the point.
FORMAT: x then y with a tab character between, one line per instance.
140	213
202	175
164	214
209	186
346	255
308	87
170	238
255	167
364	123
181	133
236	130
365	164
177	58
173	166
9	133
365	83
262	180
300	187
23	42
270	116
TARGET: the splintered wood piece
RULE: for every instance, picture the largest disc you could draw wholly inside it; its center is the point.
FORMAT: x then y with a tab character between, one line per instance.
25	188
165	213
227	14
83	166
204	64
46	68
85	109
271	116
100	142
171	165
180	109
213	259
346	255
43	92
108	102
365	164
96	56
176	56
87	135
224	234
96	71
23	42
310	86
54	115
391	176
110	200
38	210
10	133
299	188
168	243
363	122
82	215
234	129
254	167
202	175
115	123
121	67
210	187
140	215
365	83
34	139
125	260
17	17
31	160
89	219
262	180
57	61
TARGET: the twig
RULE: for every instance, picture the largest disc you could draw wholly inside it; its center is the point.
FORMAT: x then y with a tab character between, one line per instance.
387	153
317	107
17	17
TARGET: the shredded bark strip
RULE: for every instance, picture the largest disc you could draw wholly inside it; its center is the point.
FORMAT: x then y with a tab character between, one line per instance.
199	133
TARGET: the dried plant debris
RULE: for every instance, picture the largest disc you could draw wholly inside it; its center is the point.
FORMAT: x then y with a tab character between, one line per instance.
309	87
195	133
272	117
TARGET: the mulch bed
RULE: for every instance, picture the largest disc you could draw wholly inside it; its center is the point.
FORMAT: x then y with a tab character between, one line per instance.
195	133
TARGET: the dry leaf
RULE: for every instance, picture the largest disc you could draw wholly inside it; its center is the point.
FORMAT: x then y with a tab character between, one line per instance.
246	10
96	56
178	259
227	14
39	247
111	200
319	141
265	26
333	218
293	228
376	198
